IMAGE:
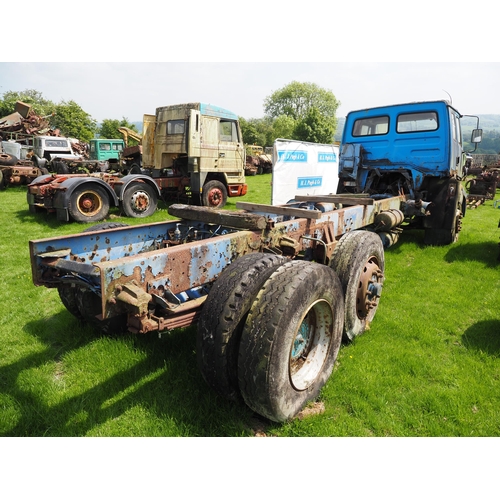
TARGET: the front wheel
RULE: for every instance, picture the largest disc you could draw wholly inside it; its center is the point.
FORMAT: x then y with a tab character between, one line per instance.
447	236
88	204
291	339
139	200
214	194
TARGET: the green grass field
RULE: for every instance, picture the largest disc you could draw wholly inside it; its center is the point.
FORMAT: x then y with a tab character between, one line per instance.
429	365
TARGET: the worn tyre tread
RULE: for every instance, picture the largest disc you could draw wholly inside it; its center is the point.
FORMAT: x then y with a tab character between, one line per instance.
129	210
79	216
262	343
223	316
352	252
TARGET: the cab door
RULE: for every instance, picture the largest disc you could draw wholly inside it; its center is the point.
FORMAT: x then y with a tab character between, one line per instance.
457	156
231	151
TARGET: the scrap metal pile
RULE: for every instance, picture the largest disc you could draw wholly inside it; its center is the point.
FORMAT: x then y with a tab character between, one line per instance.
18	130
258	164
21	125
484	185
24	121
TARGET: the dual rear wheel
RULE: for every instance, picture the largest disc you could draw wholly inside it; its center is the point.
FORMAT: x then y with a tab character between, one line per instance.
271	329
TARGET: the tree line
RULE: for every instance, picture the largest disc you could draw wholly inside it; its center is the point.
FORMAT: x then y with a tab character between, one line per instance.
300	111
67	116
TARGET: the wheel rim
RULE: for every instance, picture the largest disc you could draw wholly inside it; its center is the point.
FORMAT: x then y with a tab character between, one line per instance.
140	201
215	197
89	203
369	288
311	344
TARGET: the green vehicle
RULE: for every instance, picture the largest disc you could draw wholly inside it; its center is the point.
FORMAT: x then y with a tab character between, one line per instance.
106	150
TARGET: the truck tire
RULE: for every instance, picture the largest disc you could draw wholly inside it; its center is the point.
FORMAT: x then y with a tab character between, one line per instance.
223	316
88	204
67	294
446	236
358	260
2	179
89	306
291	339
139	200
214	194
7	160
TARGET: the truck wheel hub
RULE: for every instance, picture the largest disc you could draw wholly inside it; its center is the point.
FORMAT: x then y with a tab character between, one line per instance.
369	288
140	201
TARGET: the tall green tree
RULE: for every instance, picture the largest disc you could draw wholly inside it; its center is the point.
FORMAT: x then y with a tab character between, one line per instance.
283	127
250	132
296	98
109	128
315	127
38	103
73	121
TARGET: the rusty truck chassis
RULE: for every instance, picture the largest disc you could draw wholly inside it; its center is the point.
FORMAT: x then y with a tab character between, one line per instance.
159	275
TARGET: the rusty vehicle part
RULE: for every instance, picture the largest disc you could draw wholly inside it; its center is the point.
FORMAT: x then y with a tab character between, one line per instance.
7	159
484	184
251	165
159	277
258	161
475	200
131	158
88	197
21	173
25	121
14	171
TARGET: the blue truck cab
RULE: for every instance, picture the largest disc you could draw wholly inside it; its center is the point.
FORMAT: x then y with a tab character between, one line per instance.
415	149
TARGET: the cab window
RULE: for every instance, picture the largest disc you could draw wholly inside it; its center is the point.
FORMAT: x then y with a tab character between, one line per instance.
228	132
175	127
377	125
417	122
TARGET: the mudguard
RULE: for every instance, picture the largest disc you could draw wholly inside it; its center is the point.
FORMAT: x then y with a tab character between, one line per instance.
67	187
119	187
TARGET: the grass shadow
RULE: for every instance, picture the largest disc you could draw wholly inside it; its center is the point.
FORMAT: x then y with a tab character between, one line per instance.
485	252
166	382
483	336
